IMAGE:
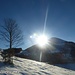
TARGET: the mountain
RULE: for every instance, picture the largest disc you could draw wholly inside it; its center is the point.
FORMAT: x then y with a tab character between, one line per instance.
57	51
57	41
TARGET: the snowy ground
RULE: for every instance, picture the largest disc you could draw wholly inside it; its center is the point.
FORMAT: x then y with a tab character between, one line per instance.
29	67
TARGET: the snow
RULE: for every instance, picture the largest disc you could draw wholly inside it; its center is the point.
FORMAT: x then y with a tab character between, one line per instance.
57	41
29	67
70	66
25	52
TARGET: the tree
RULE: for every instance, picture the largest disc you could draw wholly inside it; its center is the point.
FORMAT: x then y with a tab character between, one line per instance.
11	33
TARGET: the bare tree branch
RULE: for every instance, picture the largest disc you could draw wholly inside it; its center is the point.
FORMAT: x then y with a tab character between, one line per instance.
11	33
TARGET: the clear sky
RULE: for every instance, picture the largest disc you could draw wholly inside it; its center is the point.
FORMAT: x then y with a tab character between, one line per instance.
30	15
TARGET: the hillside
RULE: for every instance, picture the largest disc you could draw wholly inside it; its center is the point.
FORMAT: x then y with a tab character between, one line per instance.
29	67
56	51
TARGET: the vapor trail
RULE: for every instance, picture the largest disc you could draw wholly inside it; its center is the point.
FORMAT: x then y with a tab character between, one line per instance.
45	22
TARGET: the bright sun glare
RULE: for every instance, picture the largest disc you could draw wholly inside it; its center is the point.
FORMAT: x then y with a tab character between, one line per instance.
42	40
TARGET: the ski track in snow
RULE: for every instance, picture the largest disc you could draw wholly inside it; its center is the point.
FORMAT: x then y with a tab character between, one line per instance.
29	67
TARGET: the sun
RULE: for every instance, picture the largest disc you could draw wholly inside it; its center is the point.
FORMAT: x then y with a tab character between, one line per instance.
42	40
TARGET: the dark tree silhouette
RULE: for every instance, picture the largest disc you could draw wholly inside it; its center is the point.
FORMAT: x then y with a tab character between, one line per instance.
12	34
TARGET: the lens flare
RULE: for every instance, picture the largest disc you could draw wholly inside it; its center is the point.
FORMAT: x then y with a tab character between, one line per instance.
42	40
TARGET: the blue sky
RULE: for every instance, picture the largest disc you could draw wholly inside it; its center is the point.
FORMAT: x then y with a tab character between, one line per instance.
30	16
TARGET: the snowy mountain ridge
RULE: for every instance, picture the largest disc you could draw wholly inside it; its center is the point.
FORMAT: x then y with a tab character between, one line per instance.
58	49
57	41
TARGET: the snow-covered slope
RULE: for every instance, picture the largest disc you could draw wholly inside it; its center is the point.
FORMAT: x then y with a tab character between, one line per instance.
29	67
57	41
